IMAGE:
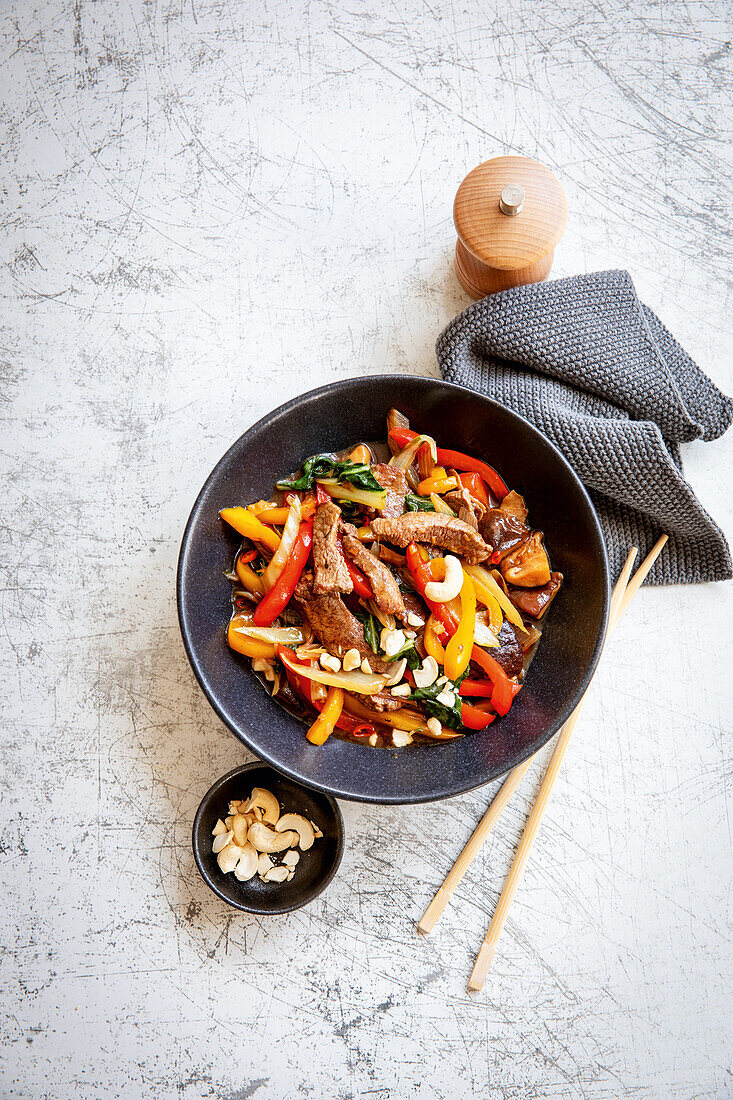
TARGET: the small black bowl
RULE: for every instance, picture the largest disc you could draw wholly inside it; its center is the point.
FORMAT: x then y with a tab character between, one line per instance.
317	866
332	418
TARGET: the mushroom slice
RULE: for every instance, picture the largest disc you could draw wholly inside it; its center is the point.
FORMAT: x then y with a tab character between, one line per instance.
302	827
247	865
265	801
265	839
229	857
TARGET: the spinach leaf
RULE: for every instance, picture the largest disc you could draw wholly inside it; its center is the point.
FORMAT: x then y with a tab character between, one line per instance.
313	467
415	503
410	653
358	474
371	629
449	716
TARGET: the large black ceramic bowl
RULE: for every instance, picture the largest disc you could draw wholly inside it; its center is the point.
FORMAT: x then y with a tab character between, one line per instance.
329	419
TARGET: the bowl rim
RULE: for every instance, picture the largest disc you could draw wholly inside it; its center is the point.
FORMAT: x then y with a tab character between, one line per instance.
196	828
461	788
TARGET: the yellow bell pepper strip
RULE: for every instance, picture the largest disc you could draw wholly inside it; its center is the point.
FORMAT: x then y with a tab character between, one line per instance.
458	651
250	527
325	723
278	597
247	646
436	485
494	588
361	454
490	603
279	516
431	641
422	575
247	576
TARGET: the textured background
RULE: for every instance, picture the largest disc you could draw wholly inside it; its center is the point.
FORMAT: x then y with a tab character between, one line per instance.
208	207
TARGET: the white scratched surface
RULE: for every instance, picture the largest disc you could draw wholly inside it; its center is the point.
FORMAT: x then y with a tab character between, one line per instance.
206	208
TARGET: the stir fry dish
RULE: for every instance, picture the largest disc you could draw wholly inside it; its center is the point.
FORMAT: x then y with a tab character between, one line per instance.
390	593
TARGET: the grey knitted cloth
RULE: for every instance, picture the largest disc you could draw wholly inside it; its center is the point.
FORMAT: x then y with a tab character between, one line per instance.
598	373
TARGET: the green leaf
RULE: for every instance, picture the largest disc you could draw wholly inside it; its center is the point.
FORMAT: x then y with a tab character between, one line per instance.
358	474
449	716
415	503
371	629
313	467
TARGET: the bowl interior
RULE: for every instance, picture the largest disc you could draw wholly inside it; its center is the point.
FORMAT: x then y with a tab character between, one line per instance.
330	419
316	867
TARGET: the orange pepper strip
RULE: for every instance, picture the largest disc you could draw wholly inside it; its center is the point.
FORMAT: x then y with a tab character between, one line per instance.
458	651
433	647
248	577
250	647
325	723
247	525
436	485
279	516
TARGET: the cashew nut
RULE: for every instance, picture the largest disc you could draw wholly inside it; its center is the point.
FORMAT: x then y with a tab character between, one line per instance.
399	672
277	874
426	675
229	857
448	589
240	828
302	827
265	839
400	738
291	858
352	660
264	863
247	865
219	828
220	841
264	800
392	641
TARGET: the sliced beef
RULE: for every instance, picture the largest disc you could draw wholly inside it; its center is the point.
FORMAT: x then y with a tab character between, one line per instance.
331	574
386	591
465	506
503	530
447	532
535	601
414	605
509	654
380	702
393	479
333	624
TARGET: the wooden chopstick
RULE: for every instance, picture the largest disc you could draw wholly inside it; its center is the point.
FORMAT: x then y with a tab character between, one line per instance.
620	600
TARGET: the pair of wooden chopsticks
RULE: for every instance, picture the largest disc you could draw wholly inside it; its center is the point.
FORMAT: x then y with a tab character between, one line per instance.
623	593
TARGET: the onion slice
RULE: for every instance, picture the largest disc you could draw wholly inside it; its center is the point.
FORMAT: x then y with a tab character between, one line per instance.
405	458
361	682
440	506
370	498
278	635
290	531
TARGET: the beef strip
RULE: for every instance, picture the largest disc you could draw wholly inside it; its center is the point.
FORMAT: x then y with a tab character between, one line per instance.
535	601
509	654
380	702
393	479
386	591
333	624
331	574
502	529
465	506
447	532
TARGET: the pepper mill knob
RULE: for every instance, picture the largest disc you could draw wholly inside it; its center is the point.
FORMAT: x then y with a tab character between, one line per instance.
509	214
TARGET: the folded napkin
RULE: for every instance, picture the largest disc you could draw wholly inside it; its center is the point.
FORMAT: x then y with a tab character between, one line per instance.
597	372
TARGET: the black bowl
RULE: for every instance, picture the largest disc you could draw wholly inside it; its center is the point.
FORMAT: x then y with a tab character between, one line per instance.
329	419
316	867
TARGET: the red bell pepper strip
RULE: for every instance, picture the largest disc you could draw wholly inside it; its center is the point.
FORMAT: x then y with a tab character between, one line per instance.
322	496
458	460
278	597
505	689
248	557
422	576
475	719
483	688
475	485
361	585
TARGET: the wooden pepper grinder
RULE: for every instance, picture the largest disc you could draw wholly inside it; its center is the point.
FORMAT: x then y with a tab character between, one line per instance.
509	214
